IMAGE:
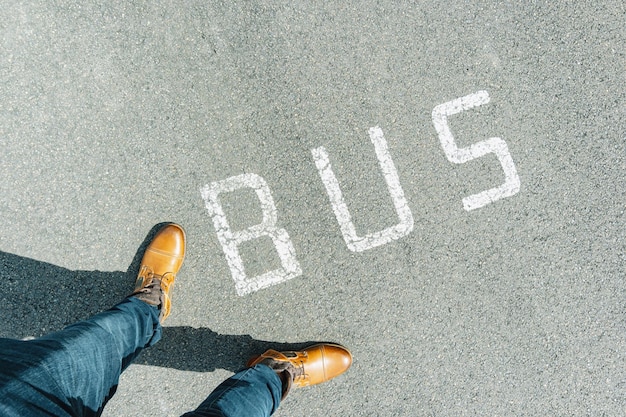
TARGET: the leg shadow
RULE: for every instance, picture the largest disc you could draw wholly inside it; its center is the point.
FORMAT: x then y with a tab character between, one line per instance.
203	350
37	298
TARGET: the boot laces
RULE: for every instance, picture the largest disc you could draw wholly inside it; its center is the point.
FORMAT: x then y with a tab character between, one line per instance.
153	288
297	370
155	281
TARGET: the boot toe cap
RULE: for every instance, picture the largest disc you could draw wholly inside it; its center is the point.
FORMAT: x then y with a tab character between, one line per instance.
337	360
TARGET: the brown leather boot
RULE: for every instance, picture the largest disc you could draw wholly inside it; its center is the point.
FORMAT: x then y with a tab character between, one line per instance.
313	365
159	266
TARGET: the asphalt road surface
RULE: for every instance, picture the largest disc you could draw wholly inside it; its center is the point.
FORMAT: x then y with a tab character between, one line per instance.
440	186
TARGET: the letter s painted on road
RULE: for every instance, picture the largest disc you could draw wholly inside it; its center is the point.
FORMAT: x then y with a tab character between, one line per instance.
458	155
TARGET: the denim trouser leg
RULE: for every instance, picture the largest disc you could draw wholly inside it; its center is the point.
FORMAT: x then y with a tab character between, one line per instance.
75	371
251	392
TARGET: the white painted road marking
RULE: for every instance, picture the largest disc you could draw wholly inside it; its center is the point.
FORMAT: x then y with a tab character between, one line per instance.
231	240
461	155
361	243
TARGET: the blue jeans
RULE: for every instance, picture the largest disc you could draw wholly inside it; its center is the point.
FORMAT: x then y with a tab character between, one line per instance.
75	371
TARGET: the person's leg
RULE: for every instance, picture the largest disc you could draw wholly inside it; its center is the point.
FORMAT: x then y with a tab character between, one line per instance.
258	390
251	392
77	369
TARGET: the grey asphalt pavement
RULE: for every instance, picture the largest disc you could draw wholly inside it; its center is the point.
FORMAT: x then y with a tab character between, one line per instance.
115	116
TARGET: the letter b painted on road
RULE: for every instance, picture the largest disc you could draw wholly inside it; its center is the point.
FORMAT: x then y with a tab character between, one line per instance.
230	240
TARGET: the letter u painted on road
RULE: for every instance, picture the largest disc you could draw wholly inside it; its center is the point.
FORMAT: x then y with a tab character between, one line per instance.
361	243
230	240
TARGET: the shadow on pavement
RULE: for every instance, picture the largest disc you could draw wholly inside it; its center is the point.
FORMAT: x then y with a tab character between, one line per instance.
203	350
37	298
